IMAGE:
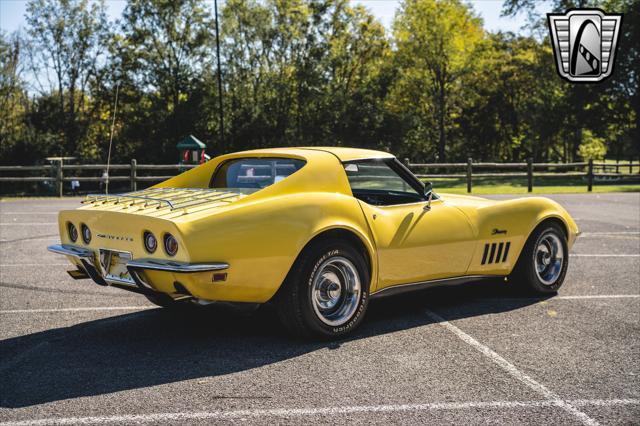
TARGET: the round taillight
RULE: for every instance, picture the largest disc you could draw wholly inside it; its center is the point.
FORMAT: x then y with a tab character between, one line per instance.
150	242
170	245
73	232
86	233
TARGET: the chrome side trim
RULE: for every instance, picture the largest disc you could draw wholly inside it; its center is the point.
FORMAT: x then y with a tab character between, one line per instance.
173	266
69	250
421	285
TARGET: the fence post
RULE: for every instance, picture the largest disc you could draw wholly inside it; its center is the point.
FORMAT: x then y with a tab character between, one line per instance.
134	174
631	165
469	173
590	176
407	162
59	182
529	174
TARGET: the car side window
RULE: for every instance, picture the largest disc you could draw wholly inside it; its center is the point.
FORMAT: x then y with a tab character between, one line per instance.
376	182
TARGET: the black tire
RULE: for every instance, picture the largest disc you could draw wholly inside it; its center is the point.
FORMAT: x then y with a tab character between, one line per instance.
295	302
525	275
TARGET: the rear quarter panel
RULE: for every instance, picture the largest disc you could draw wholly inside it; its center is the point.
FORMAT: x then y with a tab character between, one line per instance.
260	240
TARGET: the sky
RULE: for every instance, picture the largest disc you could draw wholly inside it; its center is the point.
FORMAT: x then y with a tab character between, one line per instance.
12	13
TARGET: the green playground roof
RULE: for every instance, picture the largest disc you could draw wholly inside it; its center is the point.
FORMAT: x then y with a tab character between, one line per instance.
191	142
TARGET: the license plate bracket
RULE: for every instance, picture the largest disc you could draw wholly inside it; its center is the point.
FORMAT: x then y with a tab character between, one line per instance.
114	266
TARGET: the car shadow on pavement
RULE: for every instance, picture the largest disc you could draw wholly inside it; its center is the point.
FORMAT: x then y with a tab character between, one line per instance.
157	346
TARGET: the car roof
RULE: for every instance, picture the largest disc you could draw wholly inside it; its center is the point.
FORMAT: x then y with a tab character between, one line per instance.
342	153
350	154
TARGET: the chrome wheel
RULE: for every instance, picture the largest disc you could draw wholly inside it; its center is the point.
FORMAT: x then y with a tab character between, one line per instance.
549	258
336	291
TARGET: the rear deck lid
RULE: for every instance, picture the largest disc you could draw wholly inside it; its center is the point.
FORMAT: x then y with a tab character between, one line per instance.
164	203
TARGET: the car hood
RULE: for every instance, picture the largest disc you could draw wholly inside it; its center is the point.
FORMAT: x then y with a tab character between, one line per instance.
466	200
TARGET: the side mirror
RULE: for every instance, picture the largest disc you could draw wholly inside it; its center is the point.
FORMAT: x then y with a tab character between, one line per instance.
428	193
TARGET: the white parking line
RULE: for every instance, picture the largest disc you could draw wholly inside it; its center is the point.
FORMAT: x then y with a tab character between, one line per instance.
28	223
512	370
96	308
602	402
2	265
28	239
597	296
21	213
550	299
308	412
603	255
604	234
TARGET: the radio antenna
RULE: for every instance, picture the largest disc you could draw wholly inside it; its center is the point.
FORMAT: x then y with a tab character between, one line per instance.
113	124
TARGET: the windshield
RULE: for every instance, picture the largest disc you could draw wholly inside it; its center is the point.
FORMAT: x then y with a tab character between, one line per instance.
252	174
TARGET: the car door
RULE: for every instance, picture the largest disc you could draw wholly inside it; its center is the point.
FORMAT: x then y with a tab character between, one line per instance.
414	244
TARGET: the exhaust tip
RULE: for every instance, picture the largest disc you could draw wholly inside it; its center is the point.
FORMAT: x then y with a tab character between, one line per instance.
181	289
77	274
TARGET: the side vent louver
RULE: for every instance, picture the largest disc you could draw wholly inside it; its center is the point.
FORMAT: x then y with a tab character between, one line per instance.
495	252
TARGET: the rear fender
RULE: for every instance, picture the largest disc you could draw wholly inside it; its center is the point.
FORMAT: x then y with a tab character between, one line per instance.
260	240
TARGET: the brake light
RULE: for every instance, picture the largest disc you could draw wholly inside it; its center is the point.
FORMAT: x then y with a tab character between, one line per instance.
150	242
86	233
170	244
72	231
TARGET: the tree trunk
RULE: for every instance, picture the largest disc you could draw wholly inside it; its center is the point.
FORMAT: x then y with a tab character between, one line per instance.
576	144
441	130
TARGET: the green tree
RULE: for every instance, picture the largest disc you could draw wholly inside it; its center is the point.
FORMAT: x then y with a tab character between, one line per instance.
437	44
608	109
160	55
592	148
67	58
302	72
512	96
339	98
620	125
12	96
305	72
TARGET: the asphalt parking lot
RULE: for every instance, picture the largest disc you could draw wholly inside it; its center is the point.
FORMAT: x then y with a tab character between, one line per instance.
72	352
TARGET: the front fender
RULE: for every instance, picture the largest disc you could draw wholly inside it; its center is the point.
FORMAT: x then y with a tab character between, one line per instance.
512	222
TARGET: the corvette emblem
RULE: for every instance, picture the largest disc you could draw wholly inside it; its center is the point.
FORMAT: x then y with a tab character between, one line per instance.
584	43
116	237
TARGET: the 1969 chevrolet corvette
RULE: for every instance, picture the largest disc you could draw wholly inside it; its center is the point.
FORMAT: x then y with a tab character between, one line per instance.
319	231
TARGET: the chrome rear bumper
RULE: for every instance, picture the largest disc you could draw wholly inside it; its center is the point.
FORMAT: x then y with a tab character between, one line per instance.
69	250
152	264
87	258
173	266
84	256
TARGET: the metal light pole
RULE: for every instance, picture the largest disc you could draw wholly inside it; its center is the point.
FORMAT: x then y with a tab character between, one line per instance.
220	110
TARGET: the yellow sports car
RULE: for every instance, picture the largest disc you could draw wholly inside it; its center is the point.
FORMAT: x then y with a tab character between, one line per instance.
319	231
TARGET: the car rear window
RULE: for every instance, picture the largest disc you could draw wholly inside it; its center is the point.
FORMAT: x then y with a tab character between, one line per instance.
252	174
